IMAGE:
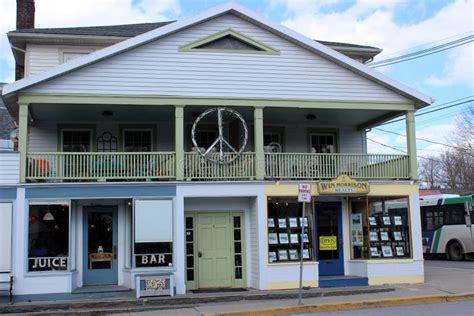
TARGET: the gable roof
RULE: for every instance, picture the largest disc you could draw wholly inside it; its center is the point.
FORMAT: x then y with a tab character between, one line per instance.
132	30
418	98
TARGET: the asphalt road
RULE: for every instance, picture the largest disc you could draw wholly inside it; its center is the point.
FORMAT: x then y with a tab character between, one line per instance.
438	263
452	309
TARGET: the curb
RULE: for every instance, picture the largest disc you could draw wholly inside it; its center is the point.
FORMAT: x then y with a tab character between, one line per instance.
350	305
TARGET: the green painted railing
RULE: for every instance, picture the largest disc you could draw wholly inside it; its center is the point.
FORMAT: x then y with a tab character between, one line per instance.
162	165
198	168
329	166
100	166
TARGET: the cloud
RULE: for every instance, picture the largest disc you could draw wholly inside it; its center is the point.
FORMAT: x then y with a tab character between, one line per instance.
375	141
458	69
57	13
373	22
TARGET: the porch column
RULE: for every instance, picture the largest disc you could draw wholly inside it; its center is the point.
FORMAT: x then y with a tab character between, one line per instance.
258	143
23	139
411	143
179	140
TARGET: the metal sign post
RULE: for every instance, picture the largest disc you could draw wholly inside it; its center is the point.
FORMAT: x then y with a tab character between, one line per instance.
304	196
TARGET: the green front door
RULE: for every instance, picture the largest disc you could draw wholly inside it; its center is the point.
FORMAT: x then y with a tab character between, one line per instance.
214	250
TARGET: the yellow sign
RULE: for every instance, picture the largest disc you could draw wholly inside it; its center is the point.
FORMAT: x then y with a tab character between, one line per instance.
343	185
327	243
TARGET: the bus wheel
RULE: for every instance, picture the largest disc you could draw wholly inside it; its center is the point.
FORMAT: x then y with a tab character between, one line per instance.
455	251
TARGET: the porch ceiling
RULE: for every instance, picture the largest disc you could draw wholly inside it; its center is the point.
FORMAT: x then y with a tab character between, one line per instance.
335	117
92	112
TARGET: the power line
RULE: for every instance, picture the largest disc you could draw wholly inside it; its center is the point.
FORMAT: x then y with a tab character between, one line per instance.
394	148
424	52
422	139
435	110
428	43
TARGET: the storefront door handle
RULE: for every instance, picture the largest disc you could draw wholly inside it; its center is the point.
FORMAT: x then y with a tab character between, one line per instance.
115	252
199	254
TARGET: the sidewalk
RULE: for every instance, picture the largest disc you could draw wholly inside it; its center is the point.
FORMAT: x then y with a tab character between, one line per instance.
441	284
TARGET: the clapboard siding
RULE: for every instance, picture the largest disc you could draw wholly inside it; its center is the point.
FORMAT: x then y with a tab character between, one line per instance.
43	136
158	68
254	250
9	168
40	58
297	139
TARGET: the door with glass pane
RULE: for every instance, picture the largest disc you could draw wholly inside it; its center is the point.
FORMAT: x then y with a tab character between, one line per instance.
329	238
214	250
100	245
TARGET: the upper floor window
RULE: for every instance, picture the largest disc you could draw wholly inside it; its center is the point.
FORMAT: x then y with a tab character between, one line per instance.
76	140
70	56
135	140
323	143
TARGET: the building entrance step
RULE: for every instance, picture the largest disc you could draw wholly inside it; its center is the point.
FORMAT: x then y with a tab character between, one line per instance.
342	281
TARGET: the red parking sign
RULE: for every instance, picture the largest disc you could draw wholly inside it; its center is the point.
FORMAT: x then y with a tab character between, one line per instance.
304	192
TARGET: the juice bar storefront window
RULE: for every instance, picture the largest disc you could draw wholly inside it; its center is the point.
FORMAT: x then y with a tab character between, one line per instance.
153	233
48	237
380	228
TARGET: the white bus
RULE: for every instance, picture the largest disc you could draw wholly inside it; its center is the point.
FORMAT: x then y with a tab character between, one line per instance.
446	225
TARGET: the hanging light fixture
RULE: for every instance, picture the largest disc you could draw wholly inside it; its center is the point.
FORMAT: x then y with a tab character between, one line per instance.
48	216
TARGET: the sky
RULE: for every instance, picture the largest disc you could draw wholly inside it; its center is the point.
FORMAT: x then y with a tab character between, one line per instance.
397	27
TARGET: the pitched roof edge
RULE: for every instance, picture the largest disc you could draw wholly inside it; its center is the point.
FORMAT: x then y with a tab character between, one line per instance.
229	7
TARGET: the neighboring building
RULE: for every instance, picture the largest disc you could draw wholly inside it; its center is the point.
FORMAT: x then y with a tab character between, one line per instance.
7	126
113	186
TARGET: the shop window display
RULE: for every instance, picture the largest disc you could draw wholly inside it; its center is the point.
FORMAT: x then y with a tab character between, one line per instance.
284	231
380	228
48	237
153	227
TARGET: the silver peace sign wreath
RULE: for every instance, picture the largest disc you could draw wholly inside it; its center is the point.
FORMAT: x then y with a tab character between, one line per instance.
220	151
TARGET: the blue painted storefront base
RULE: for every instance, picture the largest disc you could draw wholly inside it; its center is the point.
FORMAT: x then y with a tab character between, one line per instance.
342	280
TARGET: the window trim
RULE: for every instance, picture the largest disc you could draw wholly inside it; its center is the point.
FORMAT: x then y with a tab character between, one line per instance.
12	209
78	127
173	266
276	130
193	46
69	269
324	131
138	127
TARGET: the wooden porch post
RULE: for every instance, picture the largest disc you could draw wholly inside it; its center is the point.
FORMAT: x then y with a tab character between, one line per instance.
411	144
258	144
179	140
23	139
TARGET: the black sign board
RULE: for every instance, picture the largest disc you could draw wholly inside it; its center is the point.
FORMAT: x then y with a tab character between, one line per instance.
154	260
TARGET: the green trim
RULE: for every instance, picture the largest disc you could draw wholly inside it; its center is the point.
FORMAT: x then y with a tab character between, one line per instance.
258	144
437	236
411	144
179	141
239	282
23	139
210	101
261	48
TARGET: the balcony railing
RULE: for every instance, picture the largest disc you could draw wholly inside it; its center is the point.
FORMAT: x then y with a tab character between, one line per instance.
328	166
198	168
118	166
100	166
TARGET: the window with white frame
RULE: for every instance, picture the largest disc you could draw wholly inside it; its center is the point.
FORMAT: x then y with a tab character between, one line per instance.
77	140
5	236
136	140
48	237
153	233
323	143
